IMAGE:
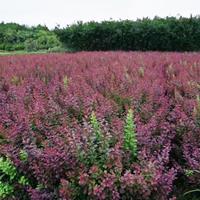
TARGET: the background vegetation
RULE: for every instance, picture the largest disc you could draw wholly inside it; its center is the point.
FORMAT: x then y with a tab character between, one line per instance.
160	34
15	37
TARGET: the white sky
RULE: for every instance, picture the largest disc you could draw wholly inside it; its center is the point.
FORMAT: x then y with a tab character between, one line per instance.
63	12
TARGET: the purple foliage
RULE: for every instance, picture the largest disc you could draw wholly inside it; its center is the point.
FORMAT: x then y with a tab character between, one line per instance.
46	102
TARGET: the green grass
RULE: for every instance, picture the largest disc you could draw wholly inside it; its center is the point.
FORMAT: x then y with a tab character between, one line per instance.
4	53
23	52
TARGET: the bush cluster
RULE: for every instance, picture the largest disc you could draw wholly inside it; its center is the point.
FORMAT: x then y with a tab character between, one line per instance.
100	125
158	34
15	37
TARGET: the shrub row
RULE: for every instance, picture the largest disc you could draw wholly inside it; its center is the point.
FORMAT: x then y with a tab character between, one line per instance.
161	34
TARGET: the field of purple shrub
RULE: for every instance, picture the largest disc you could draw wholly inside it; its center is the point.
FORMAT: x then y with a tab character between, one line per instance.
101	125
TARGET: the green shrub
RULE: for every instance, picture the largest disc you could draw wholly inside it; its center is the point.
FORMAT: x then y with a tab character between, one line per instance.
18	37
98	146
9	177
130	140
31	45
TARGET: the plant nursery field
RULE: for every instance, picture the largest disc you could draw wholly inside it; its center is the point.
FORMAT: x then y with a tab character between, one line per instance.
100	125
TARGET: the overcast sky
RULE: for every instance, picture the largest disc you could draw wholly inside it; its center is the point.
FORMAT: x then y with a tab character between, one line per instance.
63	12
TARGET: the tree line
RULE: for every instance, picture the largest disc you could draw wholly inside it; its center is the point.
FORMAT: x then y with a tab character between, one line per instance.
157	34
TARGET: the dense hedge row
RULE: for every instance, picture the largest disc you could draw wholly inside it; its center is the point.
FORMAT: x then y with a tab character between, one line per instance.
163	34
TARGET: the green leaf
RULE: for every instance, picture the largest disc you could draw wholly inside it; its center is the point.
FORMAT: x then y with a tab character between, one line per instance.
23	155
